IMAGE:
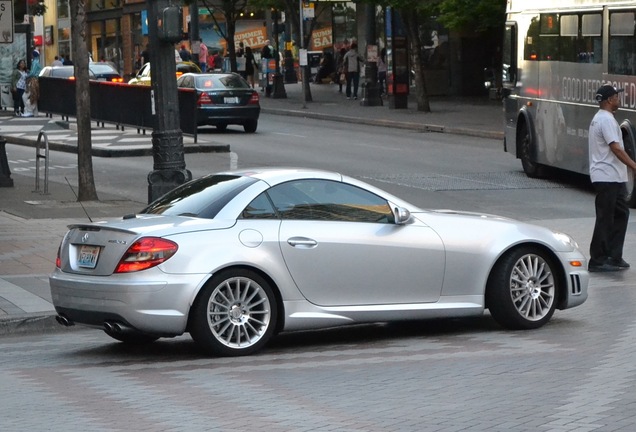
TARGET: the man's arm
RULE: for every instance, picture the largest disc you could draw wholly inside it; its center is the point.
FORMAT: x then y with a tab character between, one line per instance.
622	155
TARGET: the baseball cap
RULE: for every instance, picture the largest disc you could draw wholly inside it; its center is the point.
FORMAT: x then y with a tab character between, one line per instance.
606	92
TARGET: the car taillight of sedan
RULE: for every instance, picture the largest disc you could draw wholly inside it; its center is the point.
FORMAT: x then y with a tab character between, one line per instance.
204	99
145	253
117	80
254	99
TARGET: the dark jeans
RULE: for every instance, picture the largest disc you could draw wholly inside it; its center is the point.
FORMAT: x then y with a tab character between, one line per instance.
612	215
18	103
382	82
353	77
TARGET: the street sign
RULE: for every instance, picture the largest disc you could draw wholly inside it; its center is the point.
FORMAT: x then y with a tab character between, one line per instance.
6	21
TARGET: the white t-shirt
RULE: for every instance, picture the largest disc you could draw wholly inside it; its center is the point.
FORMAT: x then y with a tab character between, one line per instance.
604	165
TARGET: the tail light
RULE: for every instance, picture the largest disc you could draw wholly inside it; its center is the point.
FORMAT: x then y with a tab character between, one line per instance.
117	80
253	99
179	74
145	253
58	259
204	99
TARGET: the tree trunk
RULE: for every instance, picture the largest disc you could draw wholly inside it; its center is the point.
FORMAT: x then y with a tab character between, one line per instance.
86	180
412	27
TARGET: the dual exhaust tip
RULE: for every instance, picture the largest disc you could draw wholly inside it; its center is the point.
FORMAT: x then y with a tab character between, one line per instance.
112	327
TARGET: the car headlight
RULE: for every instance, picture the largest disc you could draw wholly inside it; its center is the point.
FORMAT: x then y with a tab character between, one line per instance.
566	240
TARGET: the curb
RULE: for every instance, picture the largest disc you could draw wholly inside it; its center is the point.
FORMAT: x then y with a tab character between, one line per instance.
29	324
101	152
386	123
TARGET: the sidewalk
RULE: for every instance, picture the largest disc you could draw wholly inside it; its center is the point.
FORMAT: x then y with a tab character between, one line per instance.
32	225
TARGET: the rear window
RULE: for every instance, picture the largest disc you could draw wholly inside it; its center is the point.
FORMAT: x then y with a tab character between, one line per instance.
210	82
102	68
203	197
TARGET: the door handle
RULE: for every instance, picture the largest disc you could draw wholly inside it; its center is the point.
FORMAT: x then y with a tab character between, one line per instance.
302	242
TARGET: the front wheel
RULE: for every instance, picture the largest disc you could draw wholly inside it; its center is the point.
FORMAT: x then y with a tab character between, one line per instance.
527	153
522	288
235	314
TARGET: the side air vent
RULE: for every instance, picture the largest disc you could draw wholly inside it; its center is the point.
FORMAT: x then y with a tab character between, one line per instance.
575	282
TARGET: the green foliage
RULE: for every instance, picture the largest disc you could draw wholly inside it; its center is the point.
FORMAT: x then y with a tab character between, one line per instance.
477	15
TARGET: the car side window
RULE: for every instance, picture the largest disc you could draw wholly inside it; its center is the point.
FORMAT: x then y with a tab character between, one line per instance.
325	200
259	208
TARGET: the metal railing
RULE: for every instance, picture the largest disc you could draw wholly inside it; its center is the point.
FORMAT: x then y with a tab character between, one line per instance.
45	156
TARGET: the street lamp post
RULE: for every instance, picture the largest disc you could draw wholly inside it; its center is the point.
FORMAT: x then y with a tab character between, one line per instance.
167	139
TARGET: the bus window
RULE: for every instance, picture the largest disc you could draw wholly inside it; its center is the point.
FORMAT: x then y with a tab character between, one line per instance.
569	39
591	43
531	41
549	38
621	44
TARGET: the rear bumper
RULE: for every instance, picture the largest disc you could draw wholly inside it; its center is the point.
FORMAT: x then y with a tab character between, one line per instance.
227	115
158	305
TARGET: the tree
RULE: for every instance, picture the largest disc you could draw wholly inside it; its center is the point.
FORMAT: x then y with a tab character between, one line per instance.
86	180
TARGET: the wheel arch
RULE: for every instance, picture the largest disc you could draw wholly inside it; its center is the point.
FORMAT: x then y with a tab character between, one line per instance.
280	323
561	292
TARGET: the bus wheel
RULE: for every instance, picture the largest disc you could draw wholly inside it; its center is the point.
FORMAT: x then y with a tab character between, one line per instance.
629	141
527	150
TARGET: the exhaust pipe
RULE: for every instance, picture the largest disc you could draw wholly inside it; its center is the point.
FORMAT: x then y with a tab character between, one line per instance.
62	320
116	327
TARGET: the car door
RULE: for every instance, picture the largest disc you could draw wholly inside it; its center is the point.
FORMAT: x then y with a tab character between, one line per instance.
342	247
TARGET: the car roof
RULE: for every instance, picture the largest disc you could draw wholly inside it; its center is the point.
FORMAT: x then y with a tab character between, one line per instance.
282	174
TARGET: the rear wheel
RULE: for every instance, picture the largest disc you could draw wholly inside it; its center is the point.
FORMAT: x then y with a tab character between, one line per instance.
250	126
527	152
235	314
522	289
629	140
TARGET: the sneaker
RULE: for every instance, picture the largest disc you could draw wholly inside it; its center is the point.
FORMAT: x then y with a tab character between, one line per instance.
17	114
27	115
602	268
618	262
355	98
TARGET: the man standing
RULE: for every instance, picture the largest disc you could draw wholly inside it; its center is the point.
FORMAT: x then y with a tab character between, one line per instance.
203	55
608	171
352	61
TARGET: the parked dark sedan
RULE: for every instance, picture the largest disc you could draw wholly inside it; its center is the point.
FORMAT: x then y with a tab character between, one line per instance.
223	99
105	72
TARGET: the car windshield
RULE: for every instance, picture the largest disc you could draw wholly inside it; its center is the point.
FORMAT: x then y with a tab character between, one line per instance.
203	197
211	82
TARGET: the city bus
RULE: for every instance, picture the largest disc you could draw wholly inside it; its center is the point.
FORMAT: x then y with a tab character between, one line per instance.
556	54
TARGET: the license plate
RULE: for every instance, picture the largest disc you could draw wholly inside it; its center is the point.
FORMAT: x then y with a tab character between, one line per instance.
88	256
231	100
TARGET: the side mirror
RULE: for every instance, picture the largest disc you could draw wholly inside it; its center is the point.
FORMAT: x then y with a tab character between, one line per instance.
401	215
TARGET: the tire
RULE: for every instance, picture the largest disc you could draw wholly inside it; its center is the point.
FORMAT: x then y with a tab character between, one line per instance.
527	152
221	127
629	141
250	126
132	338
235	314
522	289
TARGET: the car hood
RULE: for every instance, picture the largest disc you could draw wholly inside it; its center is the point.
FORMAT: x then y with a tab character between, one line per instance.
473	214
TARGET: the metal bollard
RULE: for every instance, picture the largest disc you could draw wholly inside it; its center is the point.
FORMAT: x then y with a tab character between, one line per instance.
44	156
5	173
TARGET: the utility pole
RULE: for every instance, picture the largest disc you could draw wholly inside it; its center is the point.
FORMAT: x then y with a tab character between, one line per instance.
165	29
370	87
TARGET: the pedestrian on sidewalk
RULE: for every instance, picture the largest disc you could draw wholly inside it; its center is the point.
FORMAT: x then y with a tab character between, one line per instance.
352	61
382	70
32	89
608	171
340	69
203	55
18	85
